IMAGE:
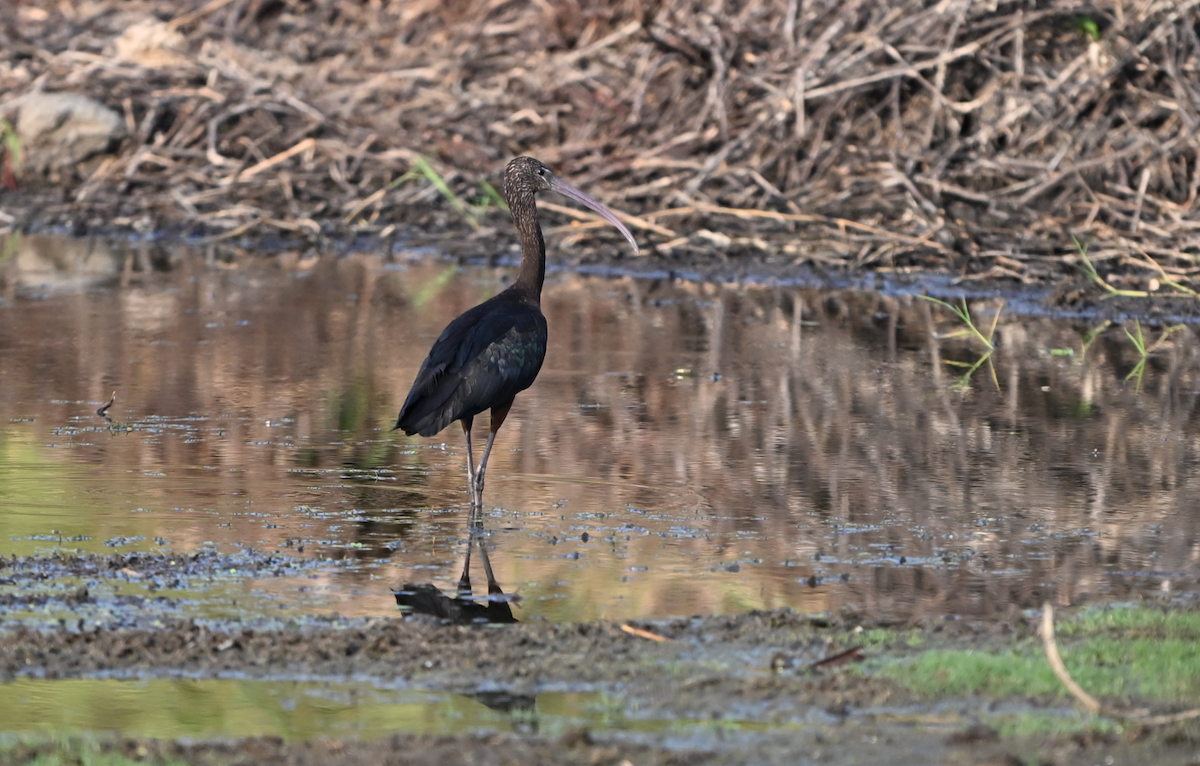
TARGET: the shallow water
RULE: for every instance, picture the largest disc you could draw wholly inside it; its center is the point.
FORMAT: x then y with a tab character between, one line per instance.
205	709
686	449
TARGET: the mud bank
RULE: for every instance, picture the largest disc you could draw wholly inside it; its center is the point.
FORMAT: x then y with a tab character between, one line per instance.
741	689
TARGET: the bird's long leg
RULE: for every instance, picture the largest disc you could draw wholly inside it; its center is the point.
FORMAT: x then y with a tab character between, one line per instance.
499	413
466	424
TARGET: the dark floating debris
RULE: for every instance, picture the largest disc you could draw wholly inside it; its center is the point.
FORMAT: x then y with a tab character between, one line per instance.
103	411
854	654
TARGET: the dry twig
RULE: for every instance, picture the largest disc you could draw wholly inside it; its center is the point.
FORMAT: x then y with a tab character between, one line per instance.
1093	705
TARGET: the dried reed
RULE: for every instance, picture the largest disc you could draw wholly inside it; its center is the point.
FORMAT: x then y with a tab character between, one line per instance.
973	136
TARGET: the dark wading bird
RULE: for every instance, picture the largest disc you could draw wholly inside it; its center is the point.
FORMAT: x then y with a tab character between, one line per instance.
492	352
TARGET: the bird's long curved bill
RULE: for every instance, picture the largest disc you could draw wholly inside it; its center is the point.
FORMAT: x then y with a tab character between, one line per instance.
570	192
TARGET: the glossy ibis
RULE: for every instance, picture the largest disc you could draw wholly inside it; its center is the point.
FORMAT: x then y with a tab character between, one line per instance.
492	352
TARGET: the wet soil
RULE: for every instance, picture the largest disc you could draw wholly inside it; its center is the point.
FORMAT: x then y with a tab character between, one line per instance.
755	667
575	748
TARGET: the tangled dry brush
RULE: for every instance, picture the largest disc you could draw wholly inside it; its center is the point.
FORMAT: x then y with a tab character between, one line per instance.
976	135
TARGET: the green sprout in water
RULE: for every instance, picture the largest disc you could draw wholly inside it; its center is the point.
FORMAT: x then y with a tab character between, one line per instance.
1139	343
964	314
1090	336
1144	351
970	330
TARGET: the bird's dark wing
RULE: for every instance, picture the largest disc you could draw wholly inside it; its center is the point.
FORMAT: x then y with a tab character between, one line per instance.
483	358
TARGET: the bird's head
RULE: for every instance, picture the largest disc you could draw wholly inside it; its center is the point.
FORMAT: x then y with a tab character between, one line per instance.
526	176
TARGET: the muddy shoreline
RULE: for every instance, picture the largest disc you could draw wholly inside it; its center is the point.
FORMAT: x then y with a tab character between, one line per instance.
763	667
751	667
1063	292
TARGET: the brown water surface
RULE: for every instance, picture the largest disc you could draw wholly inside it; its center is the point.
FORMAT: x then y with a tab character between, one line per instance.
686	449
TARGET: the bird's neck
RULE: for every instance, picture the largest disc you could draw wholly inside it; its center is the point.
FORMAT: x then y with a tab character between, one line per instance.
533	247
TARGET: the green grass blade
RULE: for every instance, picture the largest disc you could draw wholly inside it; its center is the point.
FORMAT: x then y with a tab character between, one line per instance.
1139	342
493	196
12	143
422	165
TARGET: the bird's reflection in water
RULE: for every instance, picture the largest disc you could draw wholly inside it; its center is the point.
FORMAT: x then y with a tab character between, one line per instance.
461	608
520	708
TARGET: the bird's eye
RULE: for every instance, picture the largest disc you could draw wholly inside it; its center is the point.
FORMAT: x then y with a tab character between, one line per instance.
542	171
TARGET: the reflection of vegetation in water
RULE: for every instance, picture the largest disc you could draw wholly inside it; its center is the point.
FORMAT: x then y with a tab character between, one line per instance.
430	289
68	709
1145	654
1090	336
354	411
963	313
350	407
425	290
970	330
1139	343
307	457
565	589
227	708
807	425
49	502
